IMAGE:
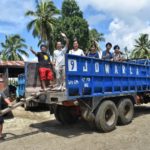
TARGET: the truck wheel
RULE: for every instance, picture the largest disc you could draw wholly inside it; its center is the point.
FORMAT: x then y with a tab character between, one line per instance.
106	116
57	113
30	105
125	111
66	115
26	106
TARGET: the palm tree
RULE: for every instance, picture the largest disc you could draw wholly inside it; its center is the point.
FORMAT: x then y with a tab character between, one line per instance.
142	47
96	36
13	48
45	19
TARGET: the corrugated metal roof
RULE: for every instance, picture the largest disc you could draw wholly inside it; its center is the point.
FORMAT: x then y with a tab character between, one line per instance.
12	63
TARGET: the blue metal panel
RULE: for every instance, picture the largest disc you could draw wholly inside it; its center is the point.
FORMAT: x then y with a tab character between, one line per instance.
90	77
21	85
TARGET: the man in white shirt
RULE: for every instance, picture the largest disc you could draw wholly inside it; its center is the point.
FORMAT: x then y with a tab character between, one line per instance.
76	50
59	63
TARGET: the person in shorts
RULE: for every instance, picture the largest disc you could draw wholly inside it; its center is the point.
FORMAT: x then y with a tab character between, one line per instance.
45	72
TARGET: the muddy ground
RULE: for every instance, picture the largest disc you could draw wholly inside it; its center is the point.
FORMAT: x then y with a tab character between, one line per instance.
40	131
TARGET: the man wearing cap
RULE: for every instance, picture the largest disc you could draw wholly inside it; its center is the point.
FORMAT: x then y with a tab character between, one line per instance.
44	62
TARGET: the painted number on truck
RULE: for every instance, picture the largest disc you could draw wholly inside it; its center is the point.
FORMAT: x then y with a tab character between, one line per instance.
72	65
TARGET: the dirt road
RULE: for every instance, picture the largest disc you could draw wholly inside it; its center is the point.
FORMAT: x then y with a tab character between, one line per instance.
39	131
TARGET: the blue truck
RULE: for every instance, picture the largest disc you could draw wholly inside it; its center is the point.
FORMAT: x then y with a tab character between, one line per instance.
100	91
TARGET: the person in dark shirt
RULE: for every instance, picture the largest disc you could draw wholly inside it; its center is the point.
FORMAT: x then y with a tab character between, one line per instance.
4	98
107	55
45	73
93	53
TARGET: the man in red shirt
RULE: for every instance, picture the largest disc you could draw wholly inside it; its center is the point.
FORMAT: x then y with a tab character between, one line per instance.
45	73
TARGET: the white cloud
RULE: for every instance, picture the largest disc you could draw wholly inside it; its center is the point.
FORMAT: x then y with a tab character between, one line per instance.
129	18
12	18
124	34
119	7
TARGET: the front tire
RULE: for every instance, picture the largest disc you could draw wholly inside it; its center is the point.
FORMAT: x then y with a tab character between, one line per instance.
106	116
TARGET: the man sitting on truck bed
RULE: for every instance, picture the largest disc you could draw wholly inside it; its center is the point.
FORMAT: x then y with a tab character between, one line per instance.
59	63
45	72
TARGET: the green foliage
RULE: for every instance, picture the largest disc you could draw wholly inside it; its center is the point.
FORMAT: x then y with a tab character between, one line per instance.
47	27
72	24
142	47
71	9
74	27
96	36
14	48
42	25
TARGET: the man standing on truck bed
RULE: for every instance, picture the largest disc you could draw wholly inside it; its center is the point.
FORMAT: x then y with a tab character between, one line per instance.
76	50
45	72
59	63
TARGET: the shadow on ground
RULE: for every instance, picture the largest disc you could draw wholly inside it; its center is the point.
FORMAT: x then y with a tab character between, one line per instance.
79	128
14	136
53	127
69	131
141	110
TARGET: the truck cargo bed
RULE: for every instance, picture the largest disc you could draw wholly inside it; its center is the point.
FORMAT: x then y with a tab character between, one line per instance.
53	96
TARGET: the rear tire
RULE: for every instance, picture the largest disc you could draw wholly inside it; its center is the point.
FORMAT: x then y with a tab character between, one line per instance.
106	116
126	111
66	115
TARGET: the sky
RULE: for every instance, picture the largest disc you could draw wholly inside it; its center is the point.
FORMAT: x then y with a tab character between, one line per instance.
121	21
